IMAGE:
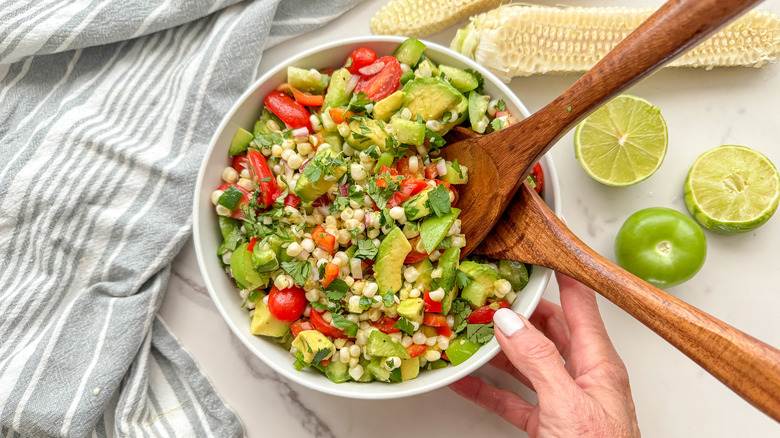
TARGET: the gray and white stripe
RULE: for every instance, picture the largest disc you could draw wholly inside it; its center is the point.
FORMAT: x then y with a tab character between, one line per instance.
106	110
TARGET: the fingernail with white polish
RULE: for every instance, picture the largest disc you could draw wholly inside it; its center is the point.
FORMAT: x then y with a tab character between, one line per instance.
508	322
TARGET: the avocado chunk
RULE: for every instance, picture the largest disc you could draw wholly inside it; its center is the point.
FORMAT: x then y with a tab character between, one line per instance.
388	106
263	323
460	350
478	291
366	133
264	259
516	273
337	371
409	51
243	270
448	262
308	190
382	345
390	259
334	140
337	94
410	368
313	345
261	125
240	142
434	228
408	131
453	176
412	309
460	79
416	207
477	108
386	159
377	371
424	281
309	81
431	98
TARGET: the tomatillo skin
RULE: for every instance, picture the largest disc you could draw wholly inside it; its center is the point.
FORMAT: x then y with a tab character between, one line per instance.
661	246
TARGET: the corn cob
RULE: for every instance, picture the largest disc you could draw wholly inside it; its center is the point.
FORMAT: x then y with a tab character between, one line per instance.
415	18
516	40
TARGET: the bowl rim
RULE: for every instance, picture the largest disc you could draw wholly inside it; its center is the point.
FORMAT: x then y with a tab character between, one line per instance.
287	370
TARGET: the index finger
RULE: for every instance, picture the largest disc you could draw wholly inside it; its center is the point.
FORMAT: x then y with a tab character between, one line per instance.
590	345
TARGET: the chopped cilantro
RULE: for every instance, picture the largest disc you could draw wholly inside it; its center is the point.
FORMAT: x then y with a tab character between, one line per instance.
365	303
300	364
462	310
267	140
389	298
404	325
447	116
461	279
321	355
340	322
385	219
568	108
439	200
497	124
381	195
253	296
359	102
299	270
313	172
372	151
479	333
437	142
500	105
366	249
337	289
456	168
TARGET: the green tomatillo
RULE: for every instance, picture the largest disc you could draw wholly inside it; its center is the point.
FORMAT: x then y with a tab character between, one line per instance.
661	246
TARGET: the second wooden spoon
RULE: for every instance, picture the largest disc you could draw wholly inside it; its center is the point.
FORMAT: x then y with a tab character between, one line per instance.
530	232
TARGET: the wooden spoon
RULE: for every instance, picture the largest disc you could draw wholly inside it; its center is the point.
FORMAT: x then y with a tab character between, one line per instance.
499	162
529	232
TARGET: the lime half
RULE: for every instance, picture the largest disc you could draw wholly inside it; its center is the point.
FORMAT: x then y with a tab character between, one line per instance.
732	189
623	142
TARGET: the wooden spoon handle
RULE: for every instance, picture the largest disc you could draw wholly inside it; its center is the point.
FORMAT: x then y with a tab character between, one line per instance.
676	27
532	233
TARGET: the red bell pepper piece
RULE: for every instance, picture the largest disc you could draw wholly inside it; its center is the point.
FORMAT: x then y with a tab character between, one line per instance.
430	305
307	99
339	115
263	176
301	325
435	320
445	331
484	314
324	240
331	272
325	328
409	187
288	110
251	246
416	349
386	325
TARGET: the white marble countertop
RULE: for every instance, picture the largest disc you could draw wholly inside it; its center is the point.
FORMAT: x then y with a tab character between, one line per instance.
740	282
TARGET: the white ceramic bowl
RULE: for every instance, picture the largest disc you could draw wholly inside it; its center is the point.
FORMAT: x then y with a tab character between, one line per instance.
208	238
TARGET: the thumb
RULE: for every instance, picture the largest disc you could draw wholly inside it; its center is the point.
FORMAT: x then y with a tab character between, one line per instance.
535	356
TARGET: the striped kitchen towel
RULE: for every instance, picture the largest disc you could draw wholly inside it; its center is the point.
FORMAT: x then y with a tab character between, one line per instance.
106	108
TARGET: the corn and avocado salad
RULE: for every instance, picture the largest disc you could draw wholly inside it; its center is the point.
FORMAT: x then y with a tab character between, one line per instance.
340	221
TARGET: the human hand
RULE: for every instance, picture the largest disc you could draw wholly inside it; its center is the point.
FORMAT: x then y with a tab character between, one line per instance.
588	396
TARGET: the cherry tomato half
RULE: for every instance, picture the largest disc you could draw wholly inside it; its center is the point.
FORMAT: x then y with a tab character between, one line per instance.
382	84
287	109
661	246
537	176
360	58
287	305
